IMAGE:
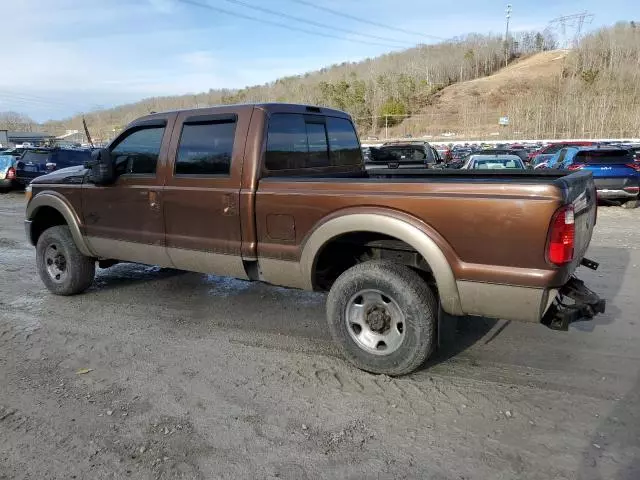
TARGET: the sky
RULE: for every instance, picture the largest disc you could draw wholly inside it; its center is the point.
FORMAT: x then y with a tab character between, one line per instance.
61	57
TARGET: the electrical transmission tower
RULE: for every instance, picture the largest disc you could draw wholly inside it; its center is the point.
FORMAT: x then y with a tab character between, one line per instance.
574	23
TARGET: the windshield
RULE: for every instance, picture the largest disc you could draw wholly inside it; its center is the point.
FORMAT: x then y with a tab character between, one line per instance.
497	163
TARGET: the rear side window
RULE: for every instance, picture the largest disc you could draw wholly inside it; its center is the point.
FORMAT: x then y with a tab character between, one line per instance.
137	153
604	156
297	141
206	148
343	142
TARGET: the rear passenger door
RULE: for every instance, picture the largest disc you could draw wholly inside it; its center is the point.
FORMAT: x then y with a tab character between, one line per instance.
201	195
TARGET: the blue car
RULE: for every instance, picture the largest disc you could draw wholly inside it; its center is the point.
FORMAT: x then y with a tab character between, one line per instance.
616	172
40	161
7	172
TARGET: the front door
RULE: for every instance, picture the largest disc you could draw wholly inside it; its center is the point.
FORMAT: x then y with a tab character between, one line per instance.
202	192
124	220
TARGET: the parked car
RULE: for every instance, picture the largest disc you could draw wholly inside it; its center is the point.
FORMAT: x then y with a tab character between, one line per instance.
557	146
40	161
403	155
7	172
616	172
493	162
519	152
236	190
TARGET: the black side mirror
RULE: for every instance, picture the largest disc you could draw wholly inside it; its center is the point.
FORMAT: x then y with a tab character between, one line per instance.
101	167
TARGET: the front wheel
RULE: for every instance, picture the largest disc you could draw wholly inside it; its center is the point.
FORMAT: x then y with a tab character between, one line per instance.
62	267
383	317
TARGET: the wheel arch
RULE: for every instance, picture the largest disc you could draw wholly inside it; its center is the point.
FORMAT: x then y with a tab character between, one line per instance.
41	208
395	224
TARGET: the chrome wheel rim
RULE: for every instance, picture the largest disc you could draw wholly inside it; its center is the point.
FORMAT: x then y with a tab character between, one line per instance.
55	263
375	322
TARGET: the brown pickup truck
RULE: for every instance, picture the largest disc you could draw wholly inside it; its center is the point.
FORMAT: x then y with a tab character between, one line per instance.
278	193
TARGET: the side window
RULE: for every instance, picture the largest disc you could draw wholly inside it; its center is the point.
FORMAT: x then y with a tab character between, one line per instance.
561	156
205	148
343	142
317	141
287	146
138	152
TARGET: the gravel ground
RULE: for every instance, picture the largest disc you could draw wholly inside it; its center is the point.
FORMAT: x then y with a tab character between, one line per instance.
195	376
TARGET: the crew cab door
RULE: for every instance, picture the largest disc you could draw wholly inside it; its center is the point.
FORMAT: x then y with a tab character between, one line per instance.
201	196
124	220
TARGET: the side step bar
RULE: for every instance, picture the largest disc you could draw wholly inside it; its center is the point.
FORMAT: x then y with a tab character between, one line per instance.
574	302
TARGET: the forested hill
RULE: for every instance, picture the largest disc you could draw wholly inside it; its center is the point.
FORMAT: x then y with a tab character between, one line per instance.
456	86
395	83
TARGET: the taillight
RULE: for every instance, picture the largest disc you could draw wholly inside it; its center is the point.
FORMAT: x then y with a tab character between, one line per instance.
562	236
635	166
11	173
576	166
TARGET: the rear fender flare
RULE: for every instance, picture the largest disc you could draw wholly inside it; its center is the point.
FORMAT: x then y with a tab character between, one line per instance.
58	202
387	225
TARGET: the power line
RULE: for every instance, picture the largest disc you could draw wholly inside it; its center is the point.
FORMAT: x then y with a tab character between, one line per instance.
363	20
281	25
316	24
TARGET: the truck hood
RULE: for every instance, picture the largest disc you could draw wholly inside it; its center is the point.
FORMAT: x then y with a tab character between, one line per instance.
73	174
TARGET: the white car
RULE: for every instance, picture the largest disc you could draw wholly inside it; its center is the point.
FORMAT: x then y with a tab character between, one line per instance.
493	162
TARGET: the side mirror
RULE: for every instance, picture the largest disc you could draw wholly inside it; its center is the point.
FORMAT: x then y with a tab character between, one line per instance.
101	167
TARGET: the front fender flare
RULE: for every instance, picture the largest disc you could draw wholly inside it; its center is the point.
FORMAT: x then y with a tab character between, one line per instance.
394	227
59	203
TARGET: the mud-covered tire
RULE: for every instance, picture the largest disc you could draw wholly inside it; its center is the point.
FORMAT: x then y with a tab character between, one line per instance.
630	204
403	288
62	267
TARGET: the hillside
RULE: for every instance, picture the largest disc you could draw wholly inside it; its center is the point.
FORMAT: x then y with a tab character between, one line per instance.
457	86
472	108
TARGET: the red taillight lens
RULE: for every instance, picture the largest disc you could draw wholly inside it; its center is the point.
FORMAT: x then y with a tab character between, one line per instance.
635	166
576	166
562	236
11	173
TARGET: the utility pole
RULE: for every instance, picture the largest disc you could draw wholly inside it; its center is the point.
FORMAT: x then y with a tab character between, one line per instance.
506	36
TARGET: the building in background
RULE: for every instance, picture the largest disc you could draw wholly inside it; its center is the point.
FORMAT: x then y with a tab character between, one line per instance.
17	139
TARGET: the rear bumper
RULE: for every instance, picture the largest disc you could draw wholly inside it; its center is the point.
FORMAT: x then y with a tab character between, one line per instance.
609	193
622	187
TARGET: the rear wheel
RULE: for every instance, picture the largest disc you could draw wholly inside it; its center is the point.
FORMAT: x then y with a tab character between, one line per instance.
62	267
383	317
630	204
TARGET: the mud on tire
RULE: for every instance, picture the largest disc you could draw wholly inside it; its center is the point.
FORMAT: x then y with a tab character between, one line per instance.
62	267
367	302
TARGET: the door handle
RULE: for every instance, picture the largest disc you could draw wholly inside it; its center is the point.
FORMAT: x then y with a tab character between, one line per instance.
229	205
153	199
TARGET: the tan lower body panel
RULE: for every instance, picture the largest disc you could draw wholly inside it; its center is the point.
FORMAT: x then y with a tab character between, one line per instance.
207	262
507	302
283	273
190	260
130	251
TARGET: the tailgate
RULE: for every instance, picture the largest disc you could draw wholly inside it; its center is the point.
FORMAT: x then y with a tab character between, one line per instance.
579	190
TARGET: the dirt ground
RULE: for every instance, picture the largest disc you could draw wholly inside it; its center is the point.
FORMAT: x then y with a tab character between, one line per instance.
194	376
